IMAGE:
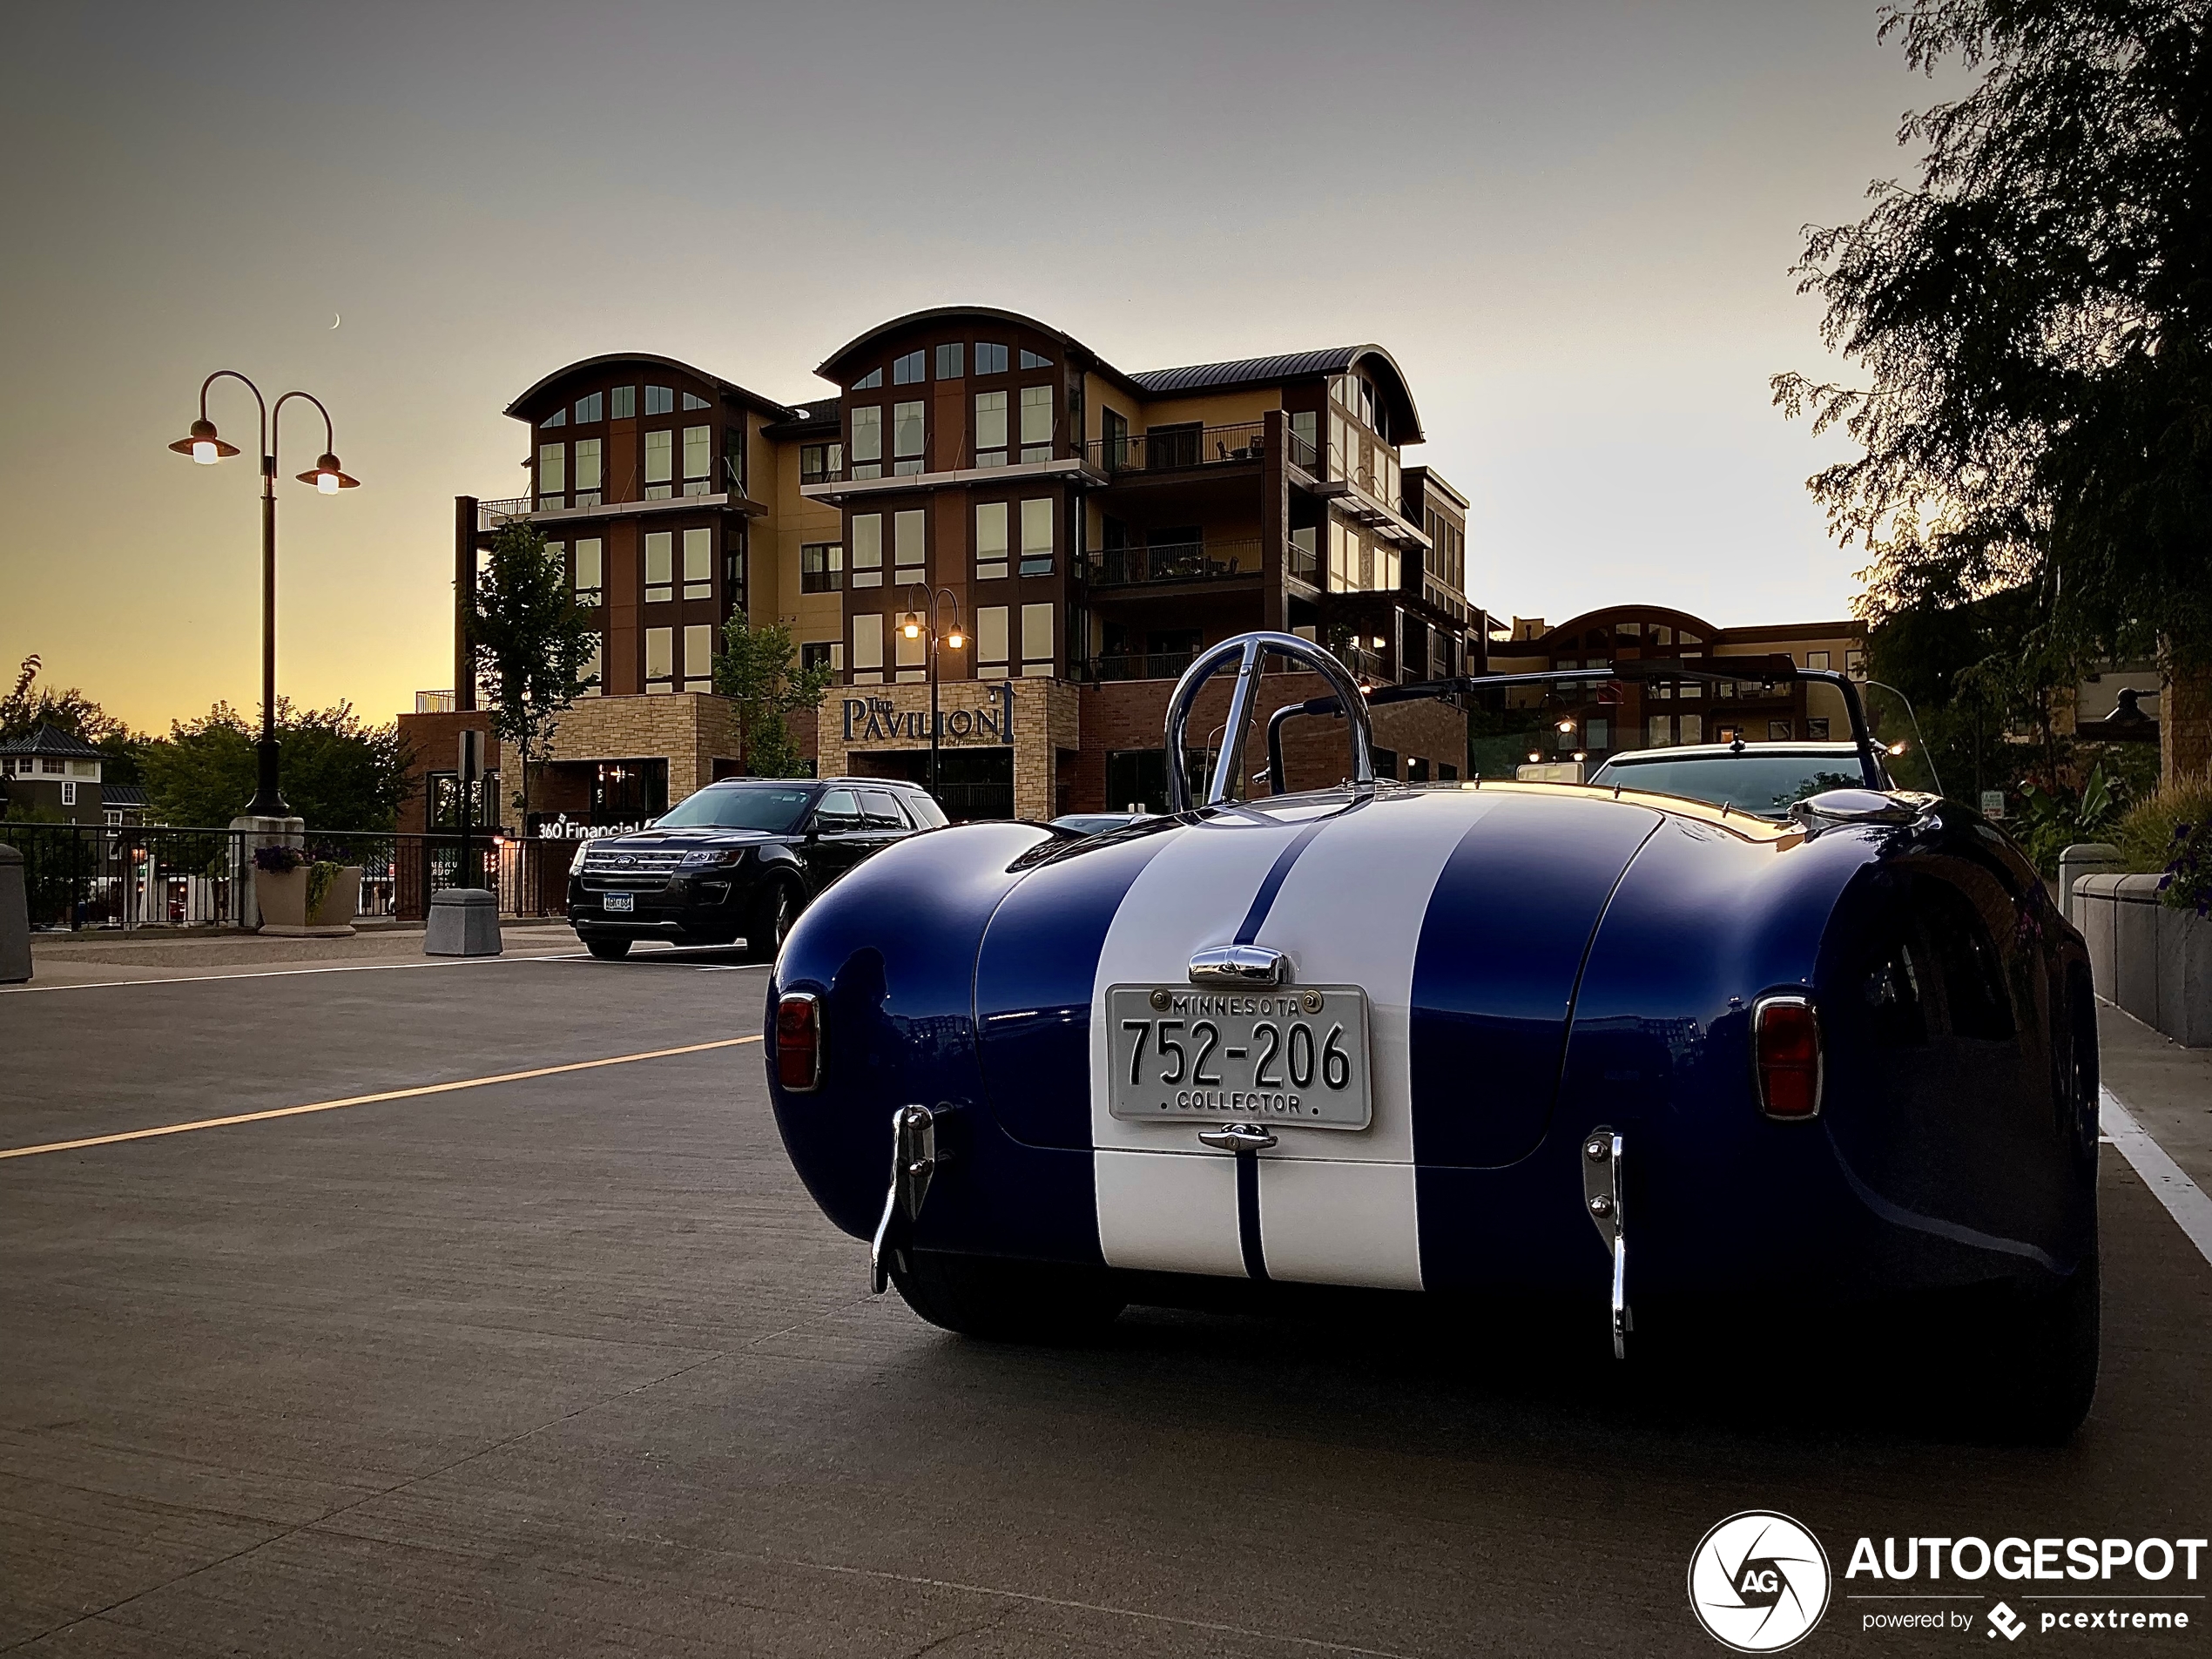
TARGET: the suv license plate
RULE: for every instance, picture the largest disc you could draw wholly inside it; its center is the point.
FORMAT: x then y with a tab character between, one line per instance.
1181	1054
619	902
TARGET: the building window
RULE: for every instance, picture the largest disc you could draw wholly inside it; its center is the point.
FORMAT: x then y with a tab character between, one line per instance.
908	537
1855	663
910	656
593	670
867	651
990	427
1816	659
698	657
693	400
660	658
733	467
989	359
1036	641
821	567
1036	536
54	767
990	642
1693	728
587	409
1597	732
867	551
591	571
1777	731
819	460
1305	432
660	566
815	656
906	437
1031	360
1816	729
991	540
113	815
68	794
623	404
733	565
559	417
907	369
588	472
1036	423
698	459
660	399
698	564
552	474
660	452
869	381
867	442
948	361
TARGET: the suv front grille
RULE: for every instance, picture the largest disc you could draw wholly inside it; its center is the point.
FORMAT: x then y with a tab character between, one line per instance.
643	868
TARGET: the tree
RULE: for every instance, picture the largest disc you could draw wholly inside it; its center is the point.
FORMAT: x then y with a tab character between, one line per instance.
31	705
2036	320
756	672
340	773
531	642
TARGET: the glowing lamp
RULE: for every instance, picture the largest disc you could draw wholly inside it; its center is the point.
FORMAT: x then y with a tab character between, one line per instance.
203	445
327	476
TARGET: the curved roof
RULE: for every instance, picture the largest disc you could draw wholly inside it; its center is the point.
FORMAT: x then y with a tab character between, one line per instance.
852	347
1261	371
728	388
1667	614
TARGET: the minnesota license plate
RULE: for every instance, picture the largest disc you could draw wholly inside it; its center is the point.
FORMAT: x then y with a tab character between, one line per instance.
619	902
1181	1054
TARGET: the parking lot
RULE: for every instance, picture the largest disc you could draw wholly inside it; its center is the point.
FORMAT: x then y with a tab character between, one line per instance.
569	1364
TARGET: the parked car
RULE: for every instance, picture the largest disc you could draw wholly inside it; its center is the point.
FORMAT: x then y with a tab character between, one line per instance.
1470	1040
738	860
1767	779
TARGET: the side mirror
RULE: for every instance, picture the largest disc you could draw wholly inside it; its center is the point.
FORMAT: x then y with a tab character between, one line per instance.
814	834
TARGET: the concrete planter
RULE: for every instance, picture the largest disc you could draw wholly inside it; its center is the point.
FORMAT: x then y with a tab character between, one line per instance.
2154	961
282	900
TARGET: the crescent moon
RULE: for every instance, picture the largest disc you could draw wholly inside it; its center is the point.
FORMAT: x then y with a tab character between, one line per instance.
336	320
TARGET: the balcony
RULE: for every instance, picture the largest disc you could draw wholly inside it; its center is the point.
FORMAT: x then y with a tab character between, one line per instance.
435	703
1181	449
494	514
1141	665
1173	561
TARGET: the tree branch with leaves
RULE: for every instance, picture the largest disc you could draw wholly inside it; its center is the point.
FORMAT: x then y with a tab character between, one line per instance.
531	642
757	670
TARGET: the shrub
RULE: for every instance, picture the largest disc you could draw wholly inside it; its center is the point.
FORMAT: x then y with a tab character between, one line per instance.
2172	832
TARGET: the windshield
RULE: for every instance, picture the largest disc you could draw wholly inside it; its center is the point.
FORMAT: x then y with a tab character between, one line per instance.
1905	756
775	808
1753	782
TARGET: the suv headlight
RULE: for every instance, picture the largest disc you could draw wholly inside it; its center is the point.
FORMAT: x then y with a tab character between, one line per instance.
575	864
713	857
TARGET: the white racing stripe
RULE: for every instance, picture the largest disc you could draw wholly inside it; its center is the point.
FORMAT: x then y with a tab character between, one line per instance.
1350	911
2183	1198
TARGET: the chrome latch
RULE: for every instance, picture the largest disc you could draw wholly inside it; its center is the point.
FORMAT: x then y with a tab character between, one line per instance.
1238	1137
914	1158
1242	966
1603	1188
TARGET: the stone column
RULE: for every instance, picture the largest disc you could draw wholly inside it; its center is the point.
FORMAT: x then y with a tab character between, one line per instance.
2185	724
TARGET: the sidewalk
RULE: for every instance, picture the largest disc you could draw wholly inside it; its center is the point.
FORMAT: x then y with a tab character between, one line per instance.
94	958
2166	1088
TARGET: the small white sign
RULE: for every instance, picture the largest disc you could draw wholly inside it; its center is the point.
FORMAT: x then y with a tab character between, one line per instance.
1992	803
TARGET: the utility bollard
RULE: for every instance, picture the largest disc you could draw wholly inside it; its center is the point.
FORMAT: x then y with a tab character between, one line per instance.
15	919
464	921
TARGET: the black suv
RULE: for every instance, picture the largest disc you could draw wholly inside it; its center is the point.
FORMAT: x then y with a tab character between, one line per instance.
739	860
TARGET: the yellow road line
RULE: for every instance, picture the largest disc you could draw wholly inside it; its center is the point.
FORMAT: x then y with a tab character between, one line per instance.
365	1099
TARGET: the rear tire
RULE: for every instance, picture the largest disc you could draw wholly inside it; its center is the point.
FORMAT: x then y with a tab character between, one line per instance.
1002	1300
774	908
2027	1367
608	950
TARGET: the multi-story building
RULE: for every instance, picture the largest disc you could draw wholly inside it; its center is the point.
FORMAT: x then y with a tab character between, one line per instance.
1089	530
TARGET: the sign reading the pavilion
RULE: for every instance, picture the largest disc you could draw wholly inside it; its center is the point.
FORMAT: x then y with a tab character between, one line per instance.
879	719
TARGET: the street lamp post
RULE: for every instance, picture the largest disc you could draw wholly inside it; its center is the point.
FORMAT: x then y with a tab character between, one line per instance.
913	625
207	447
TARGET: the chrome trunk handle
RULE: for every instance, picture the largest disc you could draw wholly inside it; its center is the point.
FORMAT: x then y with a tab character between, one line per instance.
1238	1137
1246	650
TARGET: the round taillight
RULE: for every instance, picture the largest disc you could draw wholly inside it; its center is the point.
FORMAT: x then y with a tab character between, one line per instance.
1786	1053
799	1041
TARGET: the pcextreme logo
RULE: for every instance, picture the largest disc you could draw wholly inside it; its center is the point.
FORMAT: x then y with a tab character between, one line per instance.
1758	1582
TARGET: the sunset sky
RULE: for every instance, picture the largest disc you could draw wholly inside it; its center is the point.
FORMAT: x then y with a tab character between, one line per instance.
1572	223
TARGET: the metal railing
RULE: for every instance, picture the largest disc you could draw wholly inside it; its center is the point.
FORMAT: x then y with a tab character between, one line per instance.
1178	447
1115	567
435	703
1141	665
491	515
79	876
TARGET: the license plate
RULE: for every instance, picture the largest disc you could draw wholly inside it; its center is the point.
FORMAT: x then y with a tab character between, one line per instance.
1180	1053
619	902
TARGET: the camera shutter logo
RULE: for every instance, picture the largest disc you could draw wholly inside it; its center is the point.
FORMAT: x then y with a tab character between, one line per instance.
1758	1582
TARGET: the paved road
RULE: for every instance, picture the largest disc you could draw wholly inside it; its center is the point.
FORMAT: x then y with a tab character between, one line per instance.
571	1366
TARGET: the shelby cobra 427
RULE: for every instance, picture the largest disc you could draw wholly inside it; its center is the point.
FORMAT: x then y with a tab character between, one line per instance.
1473	1037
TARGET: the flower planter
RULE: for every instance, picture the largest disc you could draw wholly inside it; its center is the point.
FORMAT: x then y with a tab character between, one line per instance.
283	901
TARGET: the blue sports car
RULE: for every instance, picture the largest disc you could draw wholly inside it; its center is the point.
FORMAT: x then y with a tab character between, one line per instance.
1589	1042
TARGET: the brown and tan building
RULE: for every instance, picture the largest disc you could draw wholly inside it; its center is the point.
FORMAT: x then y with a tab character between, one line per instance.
1090	530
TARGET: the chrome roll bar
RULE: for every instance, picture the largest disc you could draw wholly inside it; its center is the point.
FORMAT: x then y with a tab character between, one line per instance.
1246	650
